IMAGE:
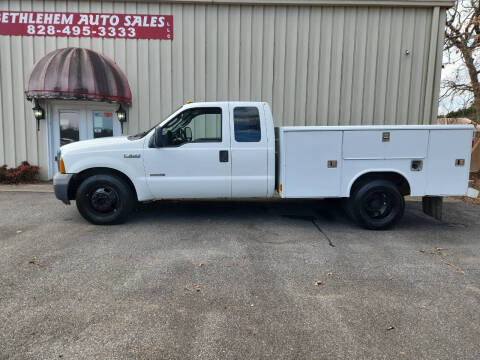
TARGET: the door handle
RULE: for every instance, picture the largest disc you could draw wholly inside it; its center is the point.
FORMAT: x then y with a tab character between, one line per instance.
223	155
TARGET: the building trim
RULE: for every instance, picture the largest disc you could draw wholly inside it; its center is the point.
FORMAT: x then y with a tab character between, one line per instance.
349	3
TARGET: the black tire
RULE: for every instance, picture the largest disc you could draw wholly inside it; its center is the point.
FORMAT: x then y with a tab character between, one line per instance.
104	199
377	204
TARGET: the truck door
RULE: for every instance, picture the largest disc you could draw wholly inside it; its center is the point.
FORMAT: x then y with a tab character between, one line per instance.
249	150
196	161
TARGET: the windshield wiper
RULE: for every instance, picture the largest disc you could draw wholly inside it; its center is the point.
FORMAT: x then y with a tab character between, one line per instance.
140	135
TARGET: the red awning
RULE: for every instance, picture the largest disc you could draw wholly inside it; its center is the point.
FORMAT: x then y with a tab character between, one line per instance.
80	74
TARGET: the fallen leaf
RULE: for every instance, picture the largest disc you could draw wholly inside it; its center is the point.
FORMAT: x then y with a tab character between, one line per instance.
318	283
438	251
455	267
391	327
33	261
196	287
390	278
423	251
329	274
200	265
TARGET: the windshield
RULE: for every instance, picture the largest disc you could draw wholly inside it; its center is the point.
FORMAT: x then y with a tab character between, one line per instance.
144	133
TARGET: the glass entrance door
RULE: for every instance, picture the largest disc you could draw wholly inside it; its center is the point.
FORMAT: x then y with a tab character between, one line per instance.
71	127
71	122
102	124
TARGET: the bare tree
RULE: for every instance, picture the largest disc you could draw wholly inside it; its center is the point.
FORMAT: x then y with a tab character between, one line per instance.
462	44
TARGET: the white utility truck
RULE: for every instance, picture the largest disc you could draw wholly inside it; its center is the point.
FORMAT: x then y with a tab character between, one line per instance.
226	150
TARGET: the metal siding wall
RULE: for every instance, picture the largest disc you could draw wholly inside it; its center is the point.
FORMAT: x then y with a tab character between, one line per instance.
371	65
335	69
438	65
347	70
360	47
323	93
300	96
405	80
256	54
315	65
430	68
312	66
418	66
278	80
222	53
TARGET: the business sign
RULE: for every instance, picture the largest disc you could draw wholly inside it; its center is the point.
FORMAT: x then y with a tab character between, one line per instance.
94	25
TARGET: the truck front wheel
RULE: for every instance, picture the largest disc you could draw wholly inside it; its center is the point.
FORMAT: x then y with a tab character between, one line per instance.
104	199
377	204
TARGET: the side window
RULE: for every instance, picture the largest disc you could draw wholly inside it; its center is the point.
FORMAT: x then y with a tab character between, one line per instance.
194	125
246	121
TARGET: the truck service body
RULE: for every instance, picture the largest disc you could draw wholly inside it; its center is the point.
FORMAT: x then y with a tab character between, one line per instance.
232	150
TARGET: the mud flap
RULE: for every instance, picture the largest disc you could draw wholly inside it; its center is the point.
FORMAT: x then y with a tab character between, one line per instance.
433	206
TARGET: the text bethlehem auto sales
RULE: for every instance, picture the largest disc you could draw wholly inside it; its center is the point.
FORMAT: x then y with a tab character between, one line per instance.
87	25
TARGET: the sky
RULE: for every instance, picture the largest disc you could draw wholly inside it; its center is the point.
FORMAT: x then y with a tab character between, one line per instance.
449	72
454	69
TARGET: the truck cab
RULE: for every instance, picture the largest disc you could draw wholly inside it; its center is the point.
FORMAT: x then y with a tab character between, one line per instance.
212	150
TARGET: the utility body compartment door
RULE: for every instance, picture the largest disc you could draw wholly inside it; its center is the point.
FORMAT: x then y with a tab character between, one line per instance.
449	162
312	162
385	144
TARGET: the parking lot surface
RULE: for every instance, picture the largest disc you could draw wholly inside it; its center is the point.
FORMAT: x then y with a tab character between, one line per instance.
236	280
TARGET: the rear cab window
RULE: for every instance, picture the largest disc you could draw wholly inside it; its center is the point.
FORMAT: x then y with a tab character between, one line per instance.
246	121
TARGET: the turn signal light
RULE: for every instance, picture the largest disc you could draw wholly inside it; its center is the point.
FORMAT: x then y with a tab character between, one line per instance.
61	166
281	187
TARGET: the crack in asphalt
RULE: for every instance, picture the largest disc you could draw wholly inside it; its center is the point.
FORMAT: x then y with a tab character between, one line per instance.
313	220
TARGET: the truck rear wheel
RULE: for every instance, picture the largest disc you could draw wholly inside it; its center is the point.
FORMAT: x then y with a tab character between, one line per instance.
377	204
104	199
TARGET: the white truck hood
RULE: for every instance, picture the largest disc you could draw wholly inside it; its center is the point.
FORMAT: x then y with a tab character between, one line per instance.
106	143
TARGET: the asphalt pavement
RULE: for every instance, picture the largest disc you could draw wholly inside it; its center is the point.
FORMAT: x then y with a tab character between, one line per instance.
236	280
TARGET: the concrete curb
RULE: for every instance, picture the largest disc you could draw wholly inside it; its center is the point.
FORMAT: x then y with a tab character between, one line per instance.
38	188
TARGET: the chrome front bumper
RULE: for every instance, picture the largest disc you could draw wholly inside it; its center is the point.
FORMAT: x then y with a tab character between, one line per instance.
60	186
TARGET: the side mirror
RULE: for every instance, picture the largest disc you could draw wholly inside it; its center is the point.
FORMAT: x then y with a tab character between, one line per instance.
158	138
188	134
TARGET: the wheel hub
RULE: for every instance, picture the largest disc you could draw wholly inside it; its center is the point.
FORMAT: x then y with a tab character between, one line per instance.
104	199
378	205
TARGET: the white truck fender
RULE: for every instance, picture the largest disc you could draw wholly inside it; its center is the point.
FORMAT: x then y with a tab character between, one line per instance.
134	171
352	181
